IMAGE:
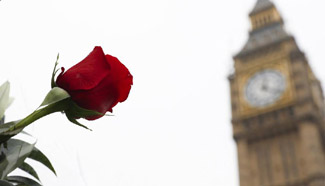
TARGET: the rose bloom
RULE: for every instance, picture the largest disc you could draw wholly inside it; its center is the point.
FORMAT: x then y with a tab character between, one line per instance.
97	83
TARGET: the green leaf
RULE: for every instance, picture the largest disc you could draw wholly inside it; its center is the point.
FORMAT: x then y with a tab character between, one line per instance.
6	133
29	169
5	183
6	126
17	152
37	155
5	100
26	133
23	180
2	120
53	84
56	94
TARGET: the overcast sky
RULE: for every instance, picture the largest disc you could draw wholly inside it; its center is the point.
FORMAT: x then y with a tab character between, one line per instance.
174	129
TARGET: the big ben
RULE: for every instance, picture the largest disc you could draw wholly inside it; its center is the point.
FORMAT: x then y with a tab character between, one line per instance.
278	110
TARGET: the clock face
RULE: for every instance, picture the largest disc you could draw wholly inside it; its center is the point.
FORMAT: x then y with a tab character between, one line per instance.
264	88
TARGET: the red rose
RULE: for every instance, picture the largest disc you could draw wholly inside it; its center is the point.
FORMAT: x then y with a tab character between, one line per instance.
97	83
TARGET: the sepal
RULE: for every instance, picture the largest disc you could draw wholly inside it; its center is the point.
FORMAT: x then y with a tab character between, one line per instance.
53	84
56	94
78	112
74	120
75	112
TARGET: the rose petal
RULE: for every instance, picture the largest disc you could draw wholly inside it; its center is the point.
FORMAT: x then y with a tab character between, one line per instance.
86	74
121	77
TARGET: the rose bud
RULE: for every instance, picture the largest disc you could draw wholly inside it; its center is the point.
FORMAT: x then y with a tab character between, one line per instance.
97	83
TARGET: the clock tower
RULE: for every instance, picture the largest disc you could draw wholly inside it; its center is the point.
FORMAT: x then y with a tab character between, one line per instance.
278	110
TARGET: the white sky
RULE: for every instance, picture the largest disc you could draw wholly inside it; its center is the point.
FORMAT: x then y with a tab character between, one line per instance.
174	129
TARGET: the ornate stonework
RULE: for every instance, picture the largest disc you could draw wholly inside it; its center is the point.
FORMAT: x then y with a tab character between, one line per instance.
280	139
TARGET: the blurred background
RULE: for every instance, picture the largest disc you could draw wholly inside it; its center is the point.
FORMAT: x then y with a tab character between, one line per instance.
175	128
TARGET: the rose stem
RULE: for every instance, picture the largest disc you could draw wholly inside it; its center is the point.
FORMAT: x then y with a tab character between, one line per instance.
37	114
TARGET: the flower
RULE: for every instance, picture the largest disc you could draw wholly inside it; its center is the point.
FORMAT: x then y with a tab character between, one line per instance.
5	100
97	83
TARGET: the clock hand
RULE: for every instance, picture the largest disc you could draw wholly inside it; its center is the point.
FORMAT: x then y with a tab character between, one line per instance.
264	87
276	89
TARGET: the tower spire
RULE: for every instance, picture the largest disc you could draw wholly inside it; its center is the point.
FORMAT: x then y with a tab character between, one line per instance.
263	14
261	5
267	27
